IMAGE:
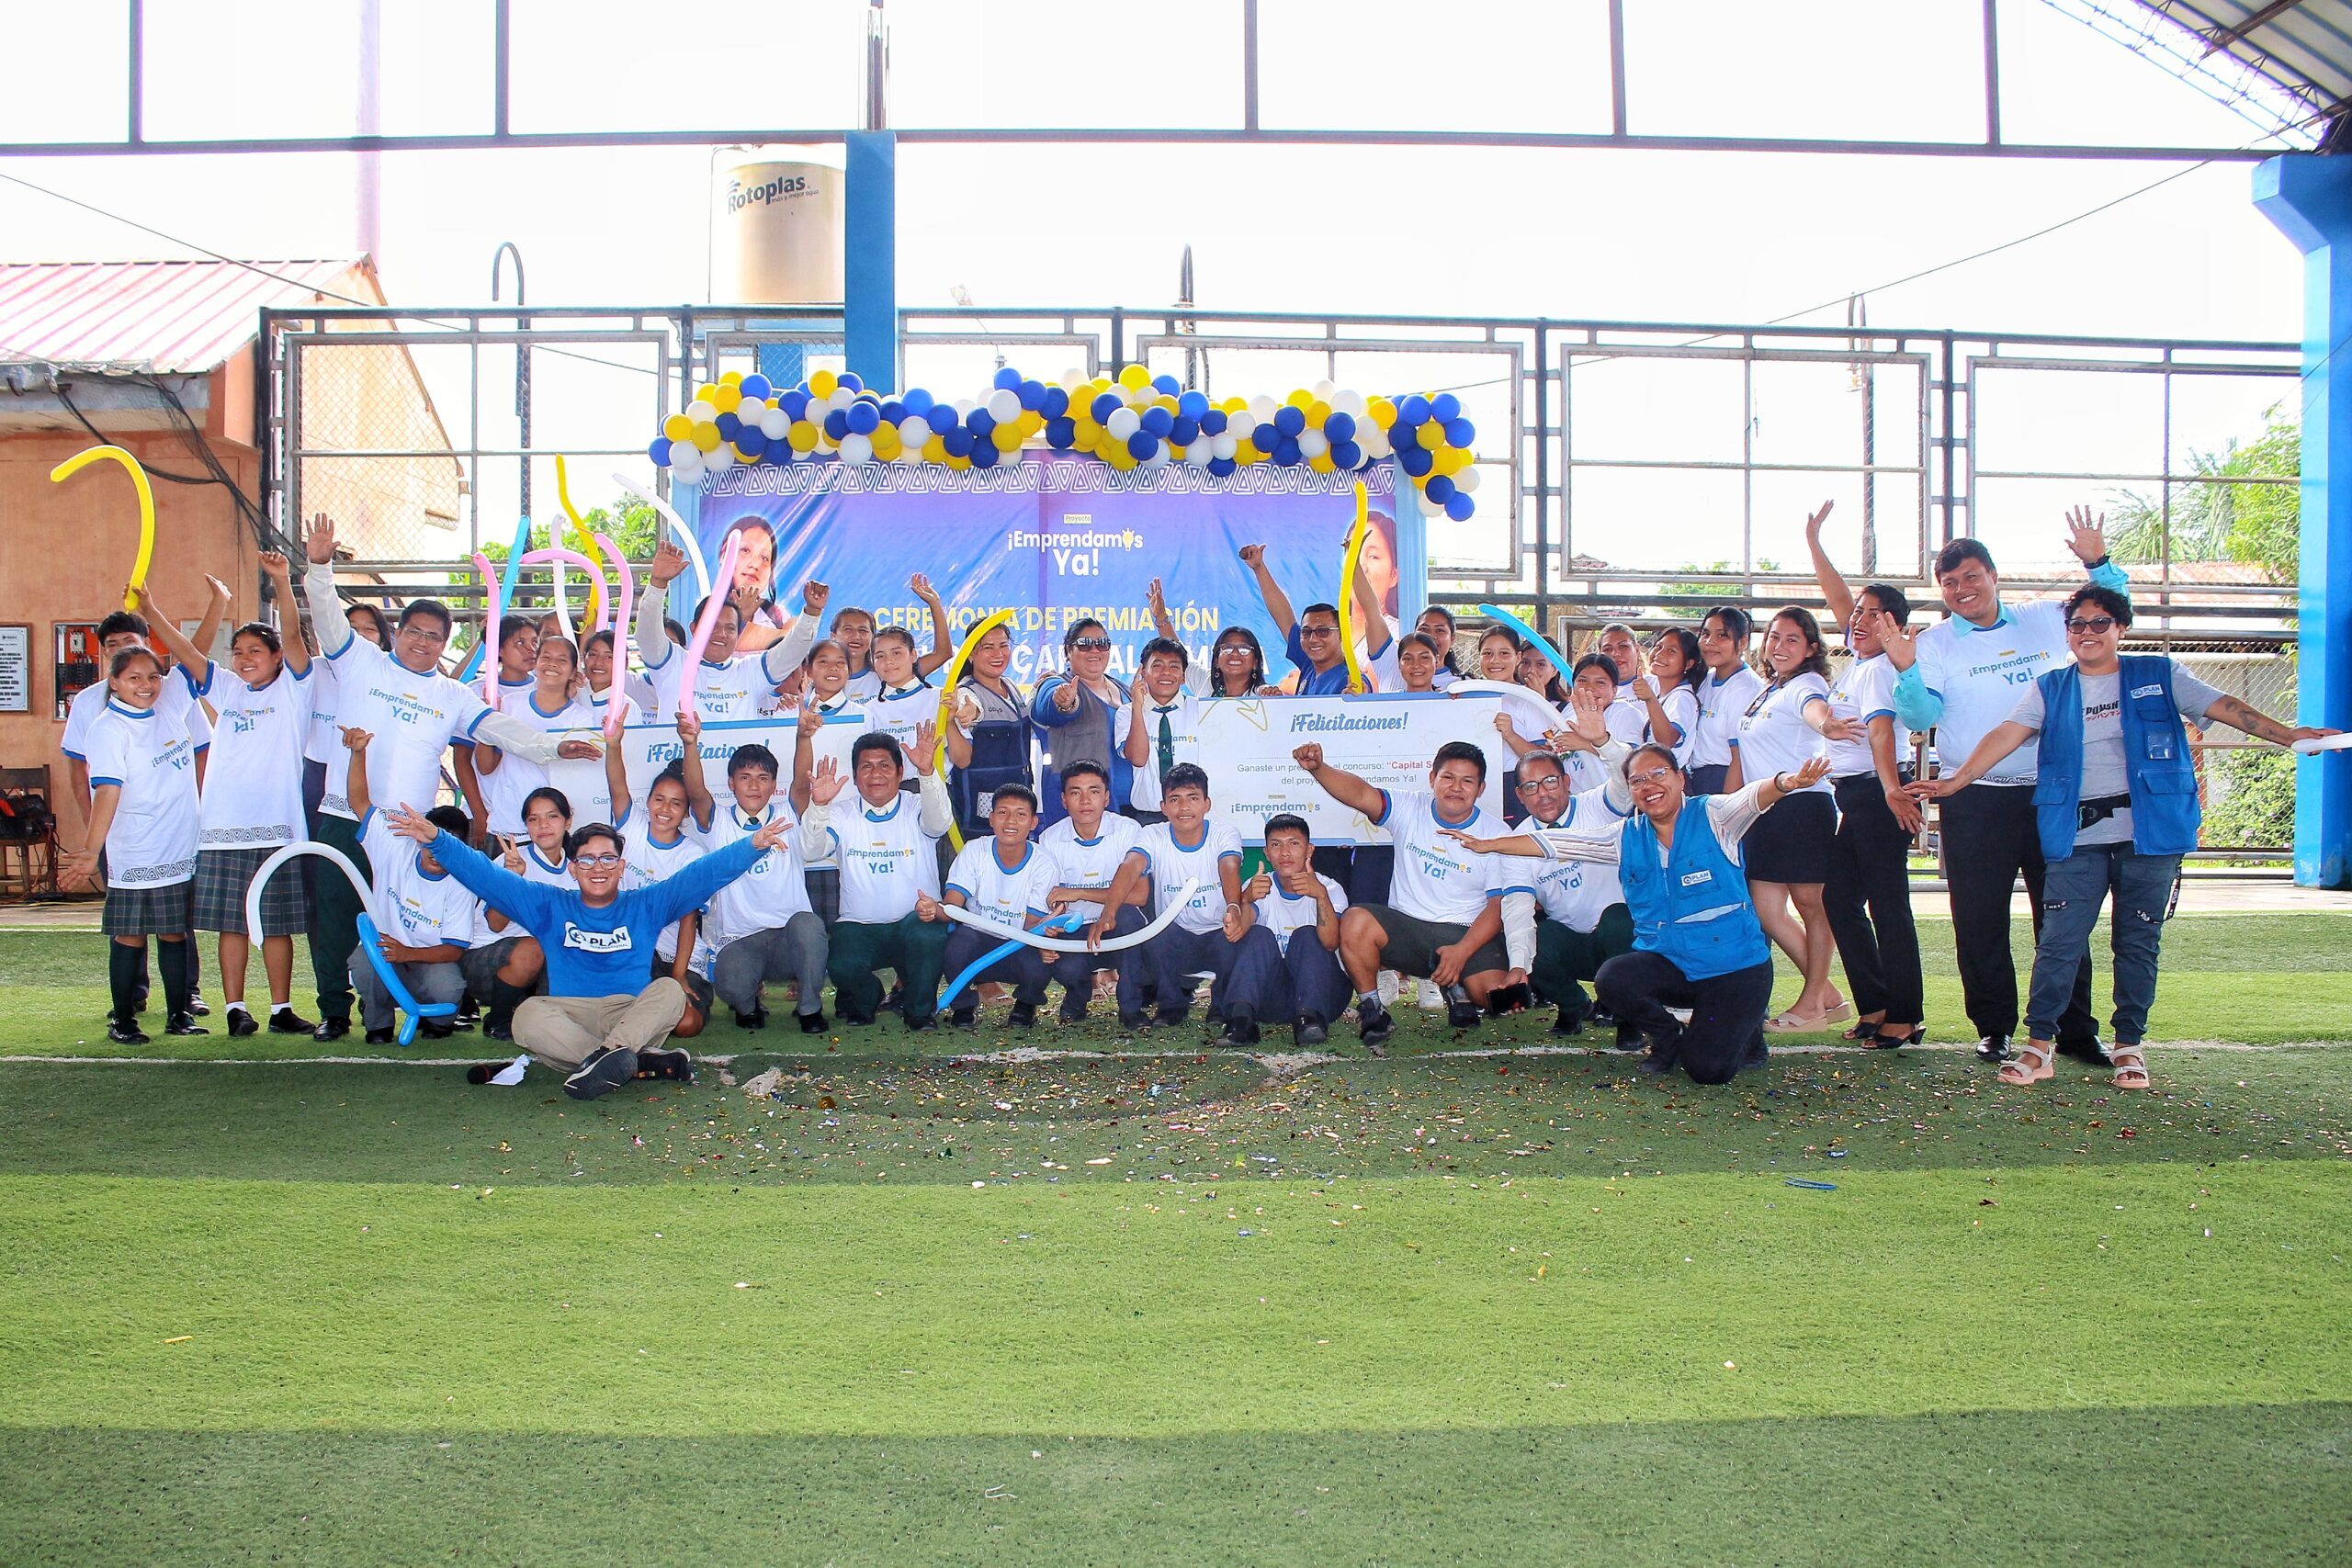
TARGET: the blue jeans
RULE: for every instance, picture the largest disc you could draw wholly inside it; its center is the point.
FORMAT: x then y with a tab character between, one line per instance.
2072	892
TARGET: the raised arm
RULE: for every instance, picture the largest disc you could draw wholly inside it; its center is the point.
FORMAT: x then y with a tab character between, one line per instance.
1832	580
2087	537
1340	784
318	589
790	651
1157	597
1999	742
354	786
1375	620
943	647
2251	720
698	805
1277	603
274	567
167	631
653	644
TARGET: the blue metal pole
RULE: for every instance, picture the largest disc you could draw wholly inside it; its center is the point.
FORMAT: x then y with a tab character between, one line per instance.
870	269
2310	199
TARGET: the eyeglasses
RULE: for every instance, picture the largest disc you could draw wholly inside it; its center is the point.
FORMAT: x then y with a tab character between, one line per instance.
2091	623
596	861
1654	775
1093	644
1549	781
1231	648
1318	631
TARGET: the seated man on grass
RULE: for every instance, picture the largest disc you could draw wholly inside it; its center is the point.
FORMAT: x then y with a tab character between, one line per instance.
1443	918
1287	970
600	1023
424	917
1210	922
1005	880
888	848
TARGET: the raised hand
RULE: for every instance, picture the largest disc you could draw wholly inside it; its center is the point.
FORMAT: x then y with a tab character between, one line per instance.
813	595
773	833
273	567
409	823
925	749
810	722
1066	694
1815	768
2086	534
317	544
690	729
1812	524
825	784
1309	756
510	853
1835	729
1644	689
1253	555
669	560
1154	598
1900	641
1302	883
220	590
1256	888
355	739
920	586
1589	715
967	709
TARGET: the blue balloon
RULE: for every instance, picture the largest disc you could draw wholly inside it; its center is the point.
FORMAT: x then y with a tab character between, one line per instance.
1221	467
894	411
862	416
836	425
1166	386
1007	378
729	426
1285	453
1055	404
1142	443
849	380
1061	433
1460	431
794	402
1290	419
1033	395
1184	431
979	422
985	454
1440	489
660	451
751	442
1413	410
1158	421
1414	460
1401	435
782	452
918	400
758	387
957	441
1445	408
1346	455
1191	405
1265	438
1459	506
1214	422
1105	405
1339	428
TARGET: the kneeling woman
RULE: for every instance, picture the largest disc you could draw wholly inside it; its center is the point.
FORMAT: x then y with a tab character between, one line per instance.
2115	804
1697	943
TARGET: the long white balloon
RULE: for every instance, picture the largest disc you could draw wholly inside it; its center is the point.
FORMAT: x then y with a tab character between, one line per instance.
686	540
287	851
1535	705
2323	743
1064	944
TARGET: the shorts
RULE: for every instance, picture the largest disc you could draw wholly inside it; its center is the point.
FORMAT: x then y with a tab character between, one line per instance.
150	912
222	879
1791	843
698	992
1413	943
480	965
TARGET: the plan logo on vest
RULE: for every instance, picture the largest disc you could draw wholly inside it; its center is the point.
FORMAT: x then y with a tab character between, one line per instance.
1692	878
581	940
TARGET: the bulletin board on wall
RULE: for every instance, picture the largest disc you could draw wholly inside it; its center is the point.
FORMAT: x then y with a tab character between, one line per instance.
79	658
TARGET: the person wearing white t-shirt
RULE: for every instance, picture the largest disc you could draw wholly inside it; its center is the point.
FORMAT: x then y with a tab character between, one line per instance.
726	685
550	708
1961	678
1868	892
425	923
906	701
1007	881
1730	685
251	800
760	924
143	818
886	844
1287	967
1666	691
504	964
663	837
1158	726
1574	919
1087	845
1443	917
1194	866
517	652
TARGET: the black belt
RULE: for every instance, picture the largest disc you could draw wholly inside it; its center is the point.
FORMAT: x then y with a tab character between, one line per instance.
2091	813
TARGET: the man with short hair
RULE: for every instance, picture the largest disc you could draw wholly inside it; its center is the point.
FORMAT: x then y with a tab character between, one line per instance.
1575	919
1160	724
1961	678
888	847
1087	845
1312	636
761	927
600	1023
1005	880
1186	847
1444	917
728	685
415	713
1287	967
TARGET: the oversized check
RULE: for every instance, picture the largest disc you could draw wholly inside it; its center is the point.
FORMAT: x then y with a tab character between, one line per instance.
1388	740
647	748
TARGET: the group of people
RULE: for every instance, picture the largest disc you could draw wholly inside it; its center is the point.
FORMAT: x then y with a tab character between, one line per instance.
1675	812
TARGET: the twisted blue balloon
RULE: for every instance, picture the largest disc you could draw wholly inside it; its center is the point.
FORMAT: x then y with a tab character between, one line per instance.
972	971
411	1010
506	596
1559	662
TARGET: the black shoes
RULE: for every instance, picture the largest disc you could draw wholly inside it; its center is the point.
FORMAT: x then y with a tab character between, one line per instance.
240	1023
963	1018
1504	1000
1460	1012
436	1028
331	1029
1994	1049
1568	1025
755	1019
857	1021
926	1024
1134	1022
1022	1016
181	1023
675	1066
285	1021
810	1022
606	1070
125	1033
1240	1029
1312	1029
1376	1026
2093	1051
195	1005
381	1036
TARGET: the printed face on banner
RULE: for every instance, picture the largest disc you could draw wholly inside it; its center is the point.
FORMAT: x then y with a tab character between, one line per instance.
1061	541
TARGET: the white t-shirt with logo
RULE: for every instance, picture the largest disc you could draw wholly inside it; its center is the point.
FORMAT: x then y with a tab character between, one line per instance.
173	704
1720	704
506	788
776	888
736	689
1184	718
152	841
898	713
1005	896
1681	705
1864	691
251	796
1172	864
413	718
1576	893
886	858
1283	913
320	738
1438	879
648	861
1091	862
1981	671
1773	737
414	905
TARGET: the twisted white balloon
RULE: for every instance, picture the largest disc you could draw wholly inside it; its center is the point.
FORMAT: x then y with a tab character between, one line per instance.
1063	945
677	525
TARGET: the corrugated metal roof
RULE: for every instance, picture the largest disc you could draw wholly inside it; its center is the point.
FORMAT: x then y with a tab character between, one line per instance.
171	317
2300	47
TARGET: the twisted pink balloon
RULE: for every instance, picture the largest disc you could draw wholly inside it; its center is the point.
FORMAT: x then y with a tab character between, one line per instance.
614	712
708	621
555	553
489	629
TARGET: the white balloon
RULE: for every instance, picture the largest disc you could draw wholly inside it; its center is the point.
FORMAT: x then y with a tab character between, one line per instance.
1200	454
1004	405
772	424
1073	379
1123	422
1312	444
719	459
1323	390
1467	480
963	406
1158	459
914	429
1262	410
1348	401
1226	445
685	461
701	411
909	455
842	397
856	449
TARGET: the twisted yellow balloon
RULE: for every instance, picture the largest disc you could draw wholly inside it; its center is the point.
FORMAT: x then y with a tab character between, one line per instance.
947	696
587	547
1356	682
83	459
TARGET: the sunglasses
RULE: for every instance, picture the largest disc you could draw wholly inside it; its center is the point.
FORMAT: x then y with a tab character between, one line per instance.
2091	623
1096	644
596	860
1318	631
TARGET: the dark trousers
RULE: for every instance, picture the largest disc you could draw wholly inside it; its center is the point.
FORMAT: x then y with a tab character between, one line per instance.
1024	969
915	947
1281	979
1075	971
1174	957
1565	955
334	918
1868	896
1990	839
1372	876
1707	779
1726	1027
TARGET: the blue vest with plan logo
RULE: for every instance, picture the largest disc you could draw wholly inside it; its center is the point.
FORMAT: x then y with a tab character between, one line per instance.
1694	910
2162	782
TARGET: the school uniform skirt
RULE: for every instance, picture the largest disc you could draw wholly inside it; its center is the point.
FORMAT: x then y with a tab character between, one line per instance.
1791	843
148	911
222	879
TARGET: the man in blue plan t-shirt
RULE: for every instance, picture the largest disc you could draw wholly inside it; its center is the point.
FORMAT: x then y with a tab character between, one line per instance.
598	1024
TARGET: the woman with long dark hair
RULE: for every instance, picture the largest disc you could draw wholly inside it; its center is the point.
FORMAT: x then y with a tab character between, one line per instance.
1729	684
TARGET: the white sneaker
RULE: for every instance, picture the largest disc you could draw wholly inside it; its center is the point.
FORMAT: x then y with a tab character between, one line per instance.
1433	999
1388	985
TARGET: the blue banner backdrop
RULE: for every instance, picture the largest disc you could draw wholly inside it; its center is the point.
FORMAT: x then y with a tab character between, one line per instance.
1059	539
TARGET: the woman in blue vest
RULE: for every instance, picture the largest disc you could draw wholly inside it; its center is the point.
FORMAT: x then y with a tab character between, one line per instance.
1697	943
2115	802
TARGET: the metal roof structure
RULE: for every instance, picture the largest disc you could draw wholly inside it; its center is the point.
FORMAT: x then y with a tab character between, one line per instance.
162	317
2285	65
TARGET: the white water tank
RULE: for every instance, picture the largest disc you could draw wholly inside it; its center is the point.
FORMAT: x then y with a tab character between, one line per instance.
778	218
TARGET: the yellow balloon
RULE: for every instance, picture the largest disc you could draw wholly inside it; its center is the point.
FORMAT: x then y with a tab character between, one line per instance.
1321	462
1450	460
1245	451
725	399
1031	422
732	378
704	394
1382	412
1134	377
1007	437
959	464
934	450
1086	433
887	442
1317	412
678	427
803	436
1176	452
706	437
822	383
1300	399
1432	435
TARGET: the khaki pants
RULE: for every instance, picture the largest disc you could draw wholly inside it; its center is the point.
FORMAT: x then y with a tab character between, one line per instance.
561	1030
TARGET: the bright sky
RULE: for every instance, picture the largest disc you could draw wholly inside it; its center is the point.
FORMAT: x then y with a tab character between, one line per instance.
1671	237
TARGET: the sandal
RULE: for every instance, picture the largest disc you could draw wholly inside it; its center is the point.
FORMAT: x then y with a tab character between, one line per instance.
1795	1022
2130	1067
1841	1009
2031	1064
1883	1041
1865	1030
